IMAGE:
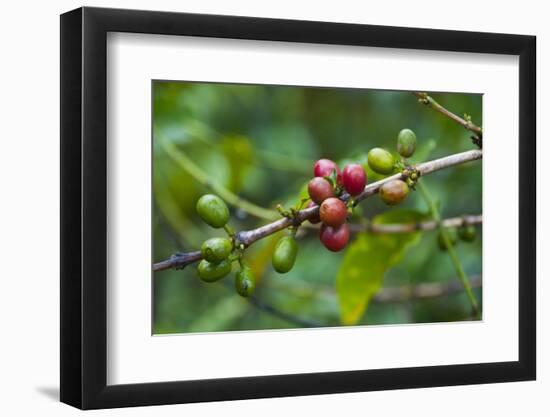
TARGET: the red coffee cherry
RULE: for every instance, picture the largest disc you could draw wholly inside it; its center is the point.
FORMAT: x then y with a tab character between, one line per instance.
315	219
354	179
334	239
319	189
333	212
325	167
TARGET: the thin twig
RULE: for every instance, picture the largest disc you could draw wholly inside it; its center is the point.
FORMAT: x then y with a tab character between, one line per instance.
423	291
406	293
424	98
248	237
178	261
202	177
413	227
401	294
397	294
449	246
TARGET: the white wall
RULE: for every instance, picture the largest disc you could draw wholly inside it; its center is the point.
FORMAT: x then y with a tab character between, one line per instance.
29	109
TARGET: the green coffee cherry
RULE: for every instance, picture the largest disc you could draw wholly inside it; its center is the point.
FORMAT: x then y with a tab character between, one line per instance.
284	254
216	249
453	238
406	143
213	210
245	283
467	233
381	161
210	272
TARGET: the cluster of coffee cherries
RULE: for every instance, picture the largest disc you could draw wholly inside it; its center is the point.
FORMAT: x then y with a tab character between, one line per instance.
219	253
466	233
324	190
327	190
383	162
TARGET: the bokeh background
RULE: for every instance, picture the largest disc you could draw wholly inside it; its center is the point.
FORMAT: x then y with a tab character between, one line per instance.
259	144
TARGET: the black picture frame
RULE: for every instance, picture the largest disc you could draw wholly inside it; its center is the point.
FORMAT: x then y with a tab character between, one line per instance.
84	207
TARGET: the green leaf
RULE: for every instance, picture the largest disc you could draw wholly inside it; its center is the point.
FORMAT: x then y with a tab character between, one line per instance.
333	177
367	260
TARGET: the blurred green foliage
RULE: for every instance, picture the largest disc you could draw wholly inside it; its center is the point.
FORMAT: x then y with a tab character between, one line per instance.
259	143
368	258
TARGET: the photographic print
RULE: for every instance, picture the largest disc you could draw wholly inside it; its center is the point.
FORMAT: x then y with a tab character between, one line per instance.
285	207
310	194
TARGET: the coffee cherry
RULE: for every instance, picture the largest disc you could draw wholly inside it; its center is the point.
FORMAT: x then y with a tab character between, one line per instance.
453	239
467	233
354	179
406	143
284	254
213	210
393	192
333	212
325	168
315	219
334	239
210	272
245	282
216	249
380	161
319	189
